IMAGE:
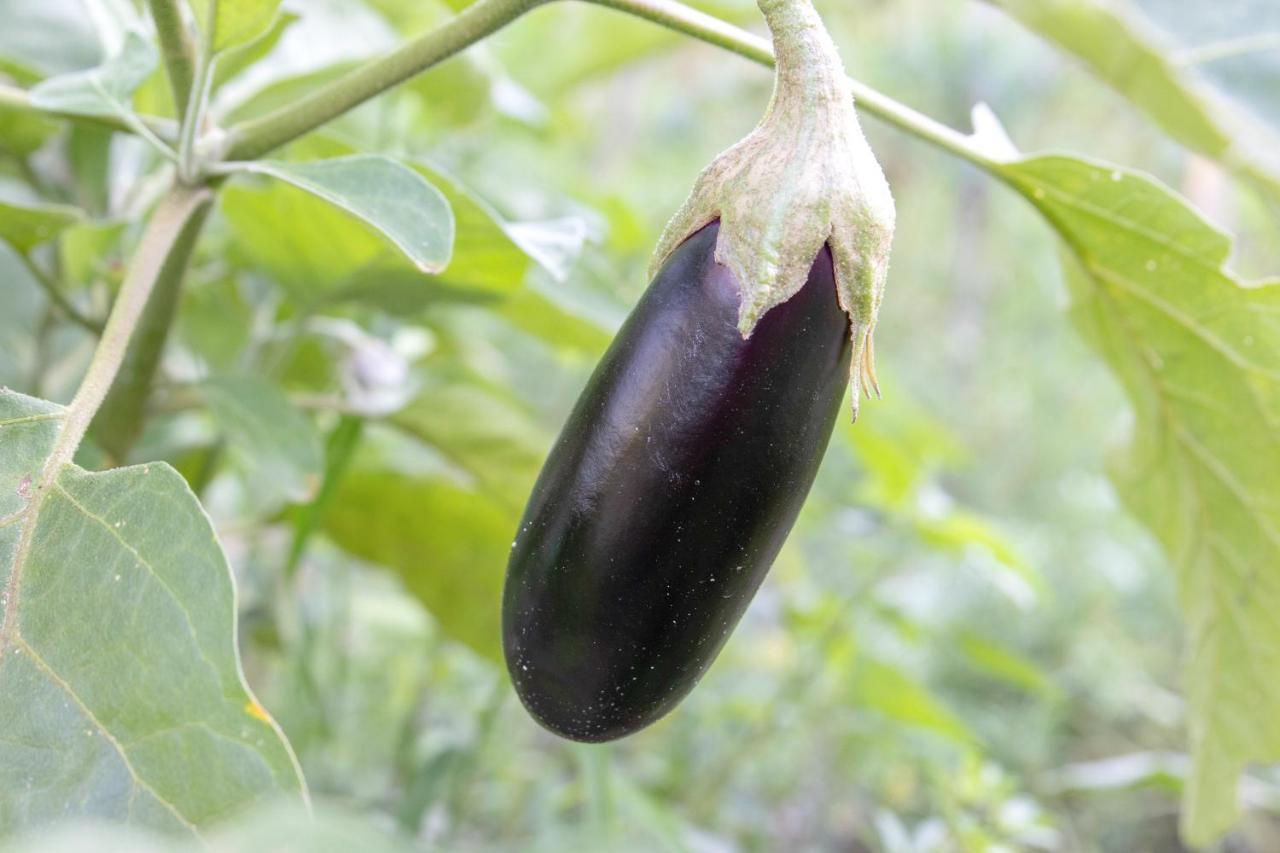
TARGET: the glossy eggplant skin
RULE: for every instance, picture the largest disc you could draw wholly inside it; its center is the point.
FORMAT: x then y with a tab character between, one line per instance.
668	494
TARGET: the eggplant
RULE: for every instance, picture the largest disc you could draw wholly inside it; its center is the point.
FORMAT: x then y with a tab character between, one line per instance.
669	493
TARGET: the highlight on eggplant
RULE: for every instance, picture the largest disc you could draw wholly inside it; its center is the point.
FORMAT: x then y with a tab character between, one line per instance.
669	493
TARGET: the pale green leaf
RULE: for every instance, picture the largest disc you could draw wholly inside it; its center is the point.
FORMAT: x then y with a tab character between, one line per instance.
24	227
106	90
238	59
1198	353
449	546
487	436
234	22
277	827
277	447
383	193
1118	48
1003	664
121	694
884	688
495	254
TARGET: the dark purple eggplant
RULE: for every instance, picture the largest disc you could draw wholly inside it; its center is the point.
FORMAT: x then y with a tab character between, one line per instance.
669	493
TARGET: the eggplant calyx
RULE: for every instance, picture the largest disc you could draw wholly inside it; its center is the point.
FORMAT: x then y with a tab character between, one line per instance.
804	177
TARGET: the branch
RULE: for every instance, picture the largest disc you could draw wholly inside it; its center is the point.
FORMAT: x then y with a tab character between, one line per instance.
251	139
177	48
255	138
155	252
122	416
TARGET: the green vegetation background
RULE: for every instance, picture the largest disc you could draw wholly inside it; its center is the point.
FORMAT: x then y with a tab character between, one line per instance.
966	643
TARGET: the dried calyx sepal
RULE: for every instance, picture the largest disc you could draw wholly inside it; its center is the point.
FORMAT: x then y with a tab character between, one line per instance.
804	177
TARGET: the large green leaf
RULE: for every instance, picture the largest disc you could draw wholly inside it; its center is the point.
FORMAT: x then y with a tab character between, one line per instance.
1116	46
121	694
1198	353
448	544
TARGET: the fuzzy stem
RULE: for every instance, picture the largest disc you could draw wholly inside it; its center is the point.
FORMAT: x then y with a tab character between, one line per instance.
122	415
163	231
177	48
808	65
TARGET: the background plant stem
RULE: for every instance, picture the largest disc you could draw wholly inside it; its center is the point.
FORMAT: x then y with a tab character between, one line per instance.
57	298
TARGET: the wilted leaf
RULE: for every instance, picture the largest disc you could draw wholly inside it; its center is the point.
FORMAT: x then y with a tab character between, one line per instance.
121	695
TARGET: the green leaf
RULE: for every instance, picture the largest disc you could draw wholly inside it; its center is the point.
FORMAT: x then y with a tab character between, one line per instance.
487	436
233	62
277	827
277	446
24	227
308	246
234	22
22	131
448	545
495	254
1198	353
1116	47
90	250
121	694
103	91
381	192
888	690
1004	664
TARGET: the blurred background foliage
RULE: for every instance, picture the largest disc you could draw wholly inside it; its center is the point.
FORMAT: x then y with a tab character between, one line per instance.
966	643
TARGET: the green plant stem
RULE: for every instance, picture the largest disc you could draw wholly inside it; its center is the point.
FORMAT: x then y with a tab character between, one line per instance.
252	139
57	297
177	48
122	415
162	234
257	137
17	98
